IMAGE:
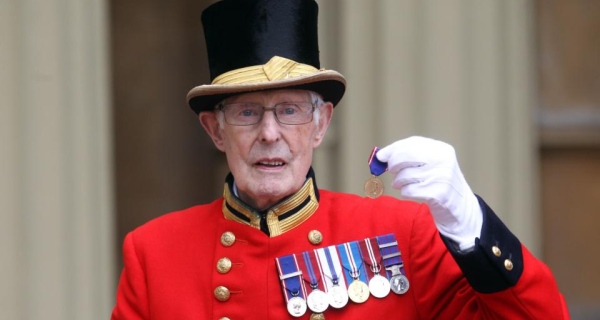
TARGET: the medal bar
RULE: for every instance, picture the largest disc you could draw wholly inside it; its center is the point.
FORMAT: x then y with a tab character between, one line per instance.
379	286
392	260
334	279
358	291
293	287
317	300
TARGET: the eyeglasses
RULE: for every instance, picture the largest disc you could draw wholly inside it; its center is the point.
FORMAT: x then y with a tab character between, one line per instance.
247	113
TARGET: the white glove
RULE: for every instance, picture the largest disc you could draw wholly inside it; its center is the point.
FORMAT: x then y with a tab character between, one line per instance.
426	170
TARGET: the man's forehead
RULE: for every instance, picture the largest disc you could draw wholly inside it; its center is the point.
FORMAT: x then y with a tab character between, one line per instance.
283	94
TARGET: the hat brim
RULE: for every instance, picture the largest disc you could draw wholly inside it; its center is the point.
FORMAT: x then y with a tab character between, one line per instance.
330	84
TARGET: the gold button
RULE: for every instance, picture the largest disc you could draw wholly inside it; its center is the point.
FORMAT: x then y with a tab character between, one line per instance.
315	237
227	239
222	293
317	316
223	265
496	251
508	264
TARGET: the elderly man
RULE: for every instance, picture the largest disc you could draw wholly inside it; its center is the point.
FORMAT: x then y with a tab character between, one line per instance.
275	246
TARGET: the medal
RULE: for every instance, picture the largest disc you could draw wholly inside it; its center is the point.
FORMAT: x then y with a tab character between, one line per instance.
358	291
399	282
335	284
374	187
338	296
392	260
379	286
293	286
296	307
317	300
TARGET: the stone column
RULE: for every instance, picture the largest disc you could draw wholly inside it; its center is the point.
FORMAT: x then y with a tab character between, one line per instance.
55	186
460	71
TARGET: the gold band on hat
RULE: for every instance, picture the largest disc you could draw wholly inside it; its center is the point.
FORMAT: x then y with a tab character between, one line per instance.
277	68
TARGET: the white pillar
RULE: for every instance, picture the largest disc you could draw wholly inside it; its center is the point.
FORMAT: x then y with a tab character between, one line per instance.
57	207
460	71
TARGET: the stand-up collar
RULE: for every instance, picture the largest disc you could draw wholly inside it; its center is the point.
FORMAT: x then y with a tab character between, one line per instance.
278	219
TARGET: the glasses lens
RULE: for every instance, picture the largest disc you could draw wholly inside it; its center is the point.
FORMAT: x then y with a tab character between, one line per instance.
294	112
246	114
242	114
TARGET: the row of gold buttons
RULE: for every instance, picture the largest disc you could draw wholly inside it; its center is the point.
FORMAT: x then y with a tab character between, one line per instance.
224	264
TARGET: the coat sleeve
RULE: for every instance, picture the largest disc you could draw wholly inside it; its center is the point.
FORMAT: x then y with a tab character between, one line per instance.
132	293
501	269
498	279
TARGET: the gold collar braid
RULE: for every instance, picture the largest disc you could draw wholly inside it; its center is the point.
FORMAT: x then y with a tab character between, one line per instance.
281	218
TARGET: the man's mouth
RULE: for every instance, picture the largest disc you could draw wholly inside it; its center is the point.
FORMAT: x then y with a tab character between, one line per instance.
271	164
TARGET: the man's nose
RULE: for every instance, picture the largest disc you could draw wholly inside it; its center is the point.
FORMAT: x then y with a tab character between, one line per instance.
269	127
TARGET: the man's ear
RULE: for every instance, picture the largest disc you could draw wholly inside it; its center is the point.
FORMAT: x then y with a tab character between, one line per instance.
326	112
210	123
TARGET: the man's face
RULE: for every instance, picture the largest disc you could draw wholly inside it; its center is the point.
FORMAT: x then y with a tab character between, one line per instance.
268	160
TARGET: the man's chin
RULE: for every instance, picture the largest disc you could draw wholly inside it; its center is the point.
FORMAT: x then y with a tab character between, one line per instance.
272	193
265	198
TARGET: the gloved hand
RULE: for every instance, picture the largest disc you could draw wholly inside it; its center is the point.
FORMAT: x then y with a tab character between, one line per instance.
426	170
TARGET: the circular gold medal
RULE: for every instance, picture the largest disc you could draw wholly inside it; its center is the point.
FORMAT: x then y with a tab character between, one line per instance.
373	187
358	291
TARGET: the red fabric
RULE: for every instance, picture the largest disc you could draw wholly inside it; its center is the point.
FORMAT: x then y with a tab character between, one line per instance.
170	268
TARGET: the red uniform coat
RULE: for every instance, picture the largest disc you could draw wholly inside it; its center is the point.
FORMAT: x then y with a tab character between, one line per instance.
170	266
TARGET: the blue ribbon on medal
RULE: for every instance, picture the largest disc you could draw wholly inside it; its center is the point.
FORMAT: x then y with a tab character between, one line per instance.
358	290
334	281
376	167
374	187
354	267
293	287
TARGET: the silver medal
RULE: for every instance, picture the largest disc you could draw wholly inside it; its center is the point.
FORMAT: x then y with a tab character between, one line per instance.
338	296
317	301
399	284
379	286
296	306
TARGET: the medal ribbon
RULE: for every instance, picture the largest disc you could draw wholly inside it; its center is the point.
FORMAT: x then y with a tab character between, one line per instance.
290	276
377	167
390	253
352	261
371	257
332	269
308	264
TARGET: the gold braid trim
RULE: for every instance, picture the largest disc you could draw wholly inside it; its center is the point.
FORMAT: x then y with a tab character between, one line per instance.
276	226
277	68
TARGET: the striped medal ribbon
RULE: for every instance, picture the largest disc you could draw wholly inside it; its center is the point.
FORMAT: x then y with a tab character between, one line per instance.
294	290
392	260
317	300
335	284
358	291
379	286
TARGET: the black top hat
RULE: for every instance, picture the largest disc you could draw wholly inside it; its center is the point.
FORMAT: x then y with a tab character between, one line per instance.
260	45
